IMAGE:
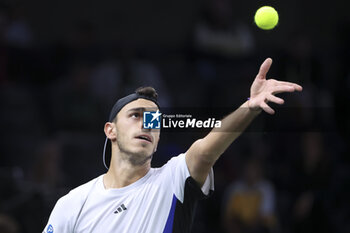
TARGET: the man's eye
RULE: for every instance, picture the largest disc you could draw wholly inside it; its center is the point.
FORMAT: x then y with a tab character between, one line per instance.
135	115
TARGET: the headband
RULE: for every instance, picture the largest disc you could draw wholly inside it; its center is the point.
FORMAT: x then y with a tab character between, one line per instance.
127	99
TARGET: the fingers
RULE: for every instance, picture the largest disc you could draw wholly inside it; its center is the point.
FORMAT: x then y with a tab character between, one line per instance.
296	86
264	68
267	108
270	98
281	89
275	99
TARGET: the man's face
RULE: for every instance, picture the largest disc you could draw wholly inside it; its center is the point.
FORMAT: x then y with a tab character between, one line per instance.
132	140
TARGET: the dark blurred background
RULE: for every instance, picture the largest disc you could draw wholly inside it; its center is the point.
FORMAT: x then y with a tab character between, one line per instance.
64	63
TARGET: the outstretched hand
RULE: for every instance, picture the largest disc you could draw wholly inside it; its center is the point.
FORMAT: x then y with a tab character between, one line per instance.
264	90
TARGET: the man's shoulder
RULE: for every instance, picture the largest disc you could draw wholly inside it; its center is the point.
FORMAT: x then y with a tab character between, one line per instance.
86	186
68	207
79	194
173	161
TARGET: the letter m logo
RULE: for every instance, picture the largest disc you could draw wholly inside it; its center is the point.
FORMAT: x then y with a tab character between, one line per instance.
151	120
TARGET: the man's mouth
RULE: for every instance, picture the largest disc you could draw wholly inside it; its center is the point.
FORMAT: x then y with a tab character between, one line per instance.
145	137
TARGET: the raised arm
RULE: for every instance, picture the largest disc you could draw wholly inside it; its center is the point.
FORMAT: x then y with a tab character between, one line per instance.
203	153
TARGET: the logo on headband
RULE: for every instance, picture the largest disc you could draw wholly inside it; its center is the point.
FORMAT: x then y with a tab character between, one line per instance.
151	120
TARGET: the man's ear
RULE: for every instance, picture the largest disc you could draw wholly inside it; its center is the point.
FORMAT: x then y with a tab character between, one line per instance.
110	130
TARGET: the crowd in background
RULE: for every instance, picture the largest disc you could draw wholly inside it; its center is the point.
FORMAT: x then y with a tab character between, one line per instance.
288	173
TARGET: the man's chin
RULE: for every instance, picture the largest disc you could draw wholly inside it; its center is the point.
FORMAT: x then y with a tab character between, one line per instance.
143	151
140	158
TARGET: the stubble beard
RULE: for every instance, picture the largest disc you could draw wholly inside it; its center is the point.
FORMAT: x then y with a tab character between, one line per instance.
135	159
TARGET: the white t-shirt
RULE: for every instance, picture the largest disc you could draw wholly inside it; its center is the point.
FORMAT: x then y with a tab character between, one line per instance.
161	201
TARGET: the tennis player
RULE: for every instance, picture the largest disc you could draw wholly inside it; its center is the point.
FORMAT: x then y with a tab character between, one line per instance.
132	197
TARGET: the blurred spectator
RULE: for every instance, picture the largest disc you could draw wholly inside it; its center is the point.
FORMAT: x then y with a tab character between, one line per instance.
146	73
18	33
8	224
219	36
47	171
218	33
82	41
106	83
3	48
249	203
74	106
312	176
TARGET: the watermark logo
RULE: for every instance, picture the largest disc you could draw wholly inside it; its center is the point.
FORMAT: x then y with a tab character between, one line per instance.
204	119
152	120
187	121
157	120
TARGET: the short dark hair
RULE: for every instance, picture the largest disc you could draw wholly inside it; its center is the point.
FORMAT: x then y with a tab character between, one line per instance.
147	91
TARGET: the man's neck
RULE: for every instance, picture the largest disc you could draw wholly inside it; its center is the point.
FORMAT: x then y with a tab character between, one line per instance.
122	173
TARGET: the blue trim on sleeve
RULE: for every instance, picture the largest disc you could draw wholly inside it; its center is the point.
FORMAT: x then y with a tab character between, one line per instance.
169	222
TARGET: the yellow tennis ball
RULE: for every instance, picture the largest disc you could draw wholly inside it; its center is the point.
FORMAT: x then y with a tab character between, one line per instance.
266	17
